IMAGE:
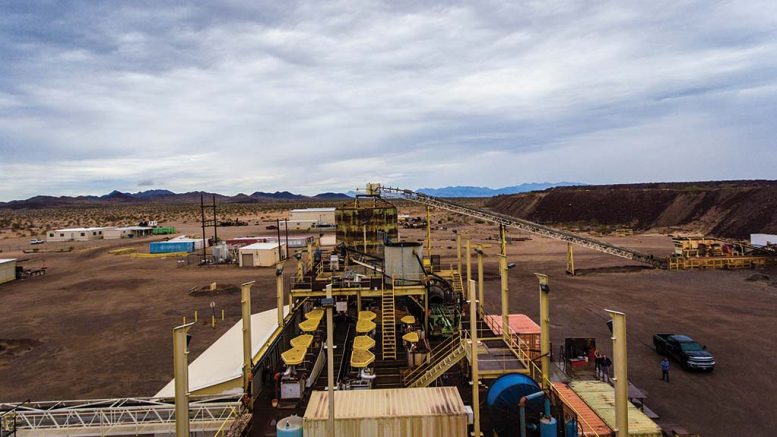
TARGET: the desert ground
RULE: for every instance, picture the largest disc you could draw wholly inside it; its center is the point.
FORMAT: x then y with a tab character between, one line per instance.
99	325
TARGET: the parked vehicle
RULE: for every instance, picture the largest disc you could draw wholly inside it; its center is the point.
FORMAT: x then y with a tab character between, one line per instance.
684	349
36	241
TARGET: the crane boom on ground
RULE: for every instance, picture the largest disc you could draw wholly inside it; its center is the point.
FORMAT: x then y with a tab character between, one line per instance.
523	225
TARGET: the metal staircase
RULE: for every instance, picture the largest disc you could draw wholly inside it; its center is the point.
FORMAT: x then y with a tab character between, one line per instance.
524	225
458	284
442	358
388	324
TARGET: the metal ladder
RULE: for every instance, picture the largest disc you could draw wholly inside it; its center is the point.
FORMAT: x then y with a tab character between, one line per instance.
388	323
442	358
458	284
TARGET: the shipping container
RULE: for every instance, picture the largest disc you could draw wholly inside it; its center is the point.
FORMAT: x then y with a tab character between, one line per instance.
171	246
428	412
600	396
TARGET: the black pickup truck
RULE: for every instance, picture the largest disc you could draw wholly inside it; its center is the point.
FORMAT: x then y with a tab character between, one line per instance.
685	350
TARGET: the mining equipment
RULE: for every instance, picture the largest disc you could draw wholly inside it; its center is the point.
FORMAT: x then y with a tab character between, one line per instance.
379	337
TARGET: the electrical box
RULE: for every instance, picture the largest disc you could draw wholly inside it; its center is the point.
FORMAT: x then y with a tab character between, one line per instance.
292	388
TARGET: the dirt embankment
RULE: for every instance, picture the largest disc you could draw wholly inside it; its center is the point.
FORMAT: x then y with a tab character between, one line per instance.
728	209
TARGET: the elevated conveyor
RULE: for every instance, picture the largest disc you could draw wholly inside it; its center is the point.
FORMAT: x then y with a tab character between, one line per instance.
523	225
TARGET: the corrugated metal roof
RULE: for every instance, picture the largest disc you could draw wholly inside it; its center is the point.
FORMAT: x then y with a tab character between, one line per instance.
262	246
6	260
77	229
378	403
519	323
600	397
591	423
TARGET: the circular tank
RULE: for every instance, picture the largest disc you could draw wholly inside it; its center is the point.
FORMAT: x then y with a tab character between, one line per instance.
502	400
289	427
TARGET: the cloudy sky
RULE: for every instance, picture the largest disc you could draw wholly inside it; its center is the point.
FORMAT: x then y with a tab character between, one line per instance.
319	96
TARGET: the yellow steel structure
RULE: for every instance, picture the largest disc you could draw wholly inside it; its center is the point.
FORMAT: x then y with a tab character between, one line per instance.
388	323
621	377
303	341
481	277
570	260
315	314
544	289
473	327
181	375
367	315
245	303
365	326
309	325
294	356
363	342
458	253
279	291
330	362
408	319
411	337
361	358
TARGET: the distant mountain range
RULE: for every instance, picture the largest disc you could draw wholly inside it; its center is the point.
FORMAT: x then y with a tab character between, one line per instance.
163	196
470	191
258	197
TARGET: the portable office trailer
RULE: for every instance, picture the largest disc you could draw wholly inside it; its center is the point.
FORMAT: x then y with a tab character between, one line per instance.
298	225
321	216
126	232
261	254
428	412
7	270
75	234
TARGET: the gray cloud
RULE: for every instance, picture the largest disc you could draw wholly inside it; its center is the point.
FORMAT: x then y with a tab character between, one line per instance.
320	96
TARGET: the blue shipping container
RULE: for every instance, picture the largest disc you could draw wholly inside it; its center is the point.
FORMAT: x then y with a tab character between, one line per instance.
171	246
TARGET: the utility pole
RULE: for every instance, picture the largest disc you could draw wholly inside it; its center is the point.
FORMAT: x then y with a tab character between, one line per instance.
429	234
481	277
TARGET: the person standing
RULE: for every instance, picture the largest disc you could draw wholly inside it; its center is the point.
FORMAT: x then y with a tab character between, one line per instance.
606	363
598	365
665	369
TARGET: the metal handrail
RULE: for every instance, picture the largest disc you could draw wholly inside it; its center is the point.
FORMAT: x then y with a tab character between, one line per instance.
441	351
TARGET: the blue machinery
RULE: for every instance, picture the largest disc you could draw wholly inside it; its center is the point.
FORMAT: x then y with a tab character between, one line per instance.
516	391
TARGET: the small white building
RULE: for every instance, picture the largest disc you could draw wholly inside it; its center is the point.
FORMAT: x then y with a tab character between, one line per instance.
761	240
322	216
127	232
75	234
7	270
261	254
298	225
198	242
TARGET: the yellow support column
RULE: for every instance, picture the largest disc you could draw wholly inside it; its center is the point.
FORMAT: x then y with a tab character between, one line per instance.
330	366
245	303
279	291
570	260
503	273
469	263
481	277
428	234
621	373
458	253
544	328
473	329
181	378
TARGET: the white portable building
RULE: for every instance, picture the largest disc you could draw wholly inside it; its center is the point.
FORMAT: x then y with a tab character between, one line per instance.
126	232
7	270
322	216
75	234
261	254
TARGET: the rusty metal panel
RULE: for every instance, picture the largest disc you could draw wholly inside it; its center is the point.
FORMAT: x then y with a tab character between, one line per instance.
378	220
429	411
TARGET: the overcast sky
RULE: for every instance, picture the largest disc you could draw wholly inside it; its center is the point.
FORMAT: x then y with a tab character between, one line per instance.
324	96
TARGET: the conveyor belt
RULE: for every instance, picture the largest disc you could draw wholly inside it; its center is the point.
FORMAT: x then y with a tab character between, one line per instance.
524	225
